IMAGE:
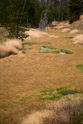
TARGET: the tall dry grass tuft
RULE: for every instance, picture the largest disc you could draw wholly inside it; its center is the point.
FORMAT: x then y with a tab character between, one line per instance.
34	33
3	51
15	43
78	39
10	47
66	30
37	117
75	31
64	111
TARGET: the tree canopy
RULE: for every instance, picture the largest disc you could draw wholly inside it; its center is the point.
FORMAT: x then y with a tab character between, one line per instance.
15	14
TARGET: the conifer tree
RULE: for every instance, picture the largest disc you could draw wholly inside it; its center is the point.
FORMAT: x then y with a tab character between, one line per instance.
16	17
74	10
3	11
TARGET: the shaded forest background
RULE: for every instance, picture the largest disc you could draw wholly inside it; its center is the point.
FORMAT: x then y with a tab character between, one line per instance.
15	14
33	9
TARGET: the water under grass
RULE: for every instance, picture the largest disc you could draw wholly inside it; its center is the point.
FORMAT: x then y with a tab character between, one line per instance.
62	51
46	49
49	49
54	94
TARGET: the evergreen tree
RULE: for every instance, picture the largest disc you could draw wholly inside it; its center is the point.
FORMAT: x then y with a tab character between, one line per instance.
16	17
74	10
3	11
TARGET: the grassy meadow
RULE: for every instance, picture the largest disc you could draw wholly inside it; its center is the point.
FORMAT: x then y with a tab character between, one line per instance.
34	80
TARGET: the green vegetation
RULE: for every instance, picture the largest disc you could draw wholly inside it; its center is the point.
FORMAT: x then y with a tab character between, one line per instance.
49	94
80	67
25	100
3	107
15	17
77	118
46	49
28	46
54	94
16	14
74	10
69	37
65	87
3	38
62	51
49	49
47	91
24	77
67	92
21	12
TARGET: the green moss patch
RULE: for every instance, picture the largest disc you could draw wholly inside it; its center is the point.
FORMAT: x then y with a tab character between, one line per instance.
54	94
47	91
80	67
46	49
67	92
49	94
49	49
62	51
68	37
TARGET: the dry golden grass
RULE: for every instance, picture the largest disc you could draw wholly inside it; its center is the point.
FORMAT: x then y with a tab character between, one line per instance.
59	25
78	39
66	30
75	31
37	117
10	47
78	24
35	33
64	111
3	51
23	76
14	43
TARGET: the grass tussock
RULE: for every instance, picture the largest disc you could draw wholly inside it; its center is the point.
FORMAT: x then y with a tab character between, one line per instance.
34	33
64	111
75	31
10	47
66	30
78	39
14	43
